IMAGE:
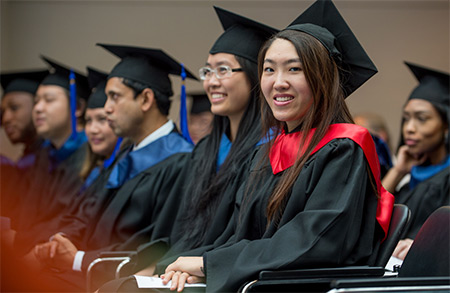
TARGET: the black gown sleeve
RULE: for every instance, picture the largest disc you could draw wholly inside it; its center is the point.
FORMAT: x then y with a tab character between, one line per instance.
424	199
329	220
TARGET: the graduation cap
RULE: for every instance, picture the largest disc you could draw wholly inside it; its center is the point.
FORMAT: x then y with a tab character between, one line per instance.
24	81
433	86
150	67
97	83
242	37
200	103
323	21
76	83
60	76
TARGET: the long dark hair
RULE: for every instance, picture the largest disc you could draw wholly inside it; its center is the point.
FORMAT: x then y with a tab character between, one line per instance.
206	191
328	107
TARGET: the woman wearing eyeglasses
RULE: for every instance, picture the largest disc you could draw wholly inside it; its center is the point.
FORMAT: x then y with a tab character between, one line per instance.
218	163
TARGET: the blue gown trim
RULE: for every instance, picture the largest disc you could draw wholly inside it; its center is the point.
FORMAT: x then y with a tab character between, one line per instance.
134	162
56	156
224	149
422	173
97	170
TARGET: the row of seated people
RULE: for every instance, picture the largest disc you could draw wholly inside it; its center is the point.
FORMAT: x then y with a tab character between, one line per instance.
282	169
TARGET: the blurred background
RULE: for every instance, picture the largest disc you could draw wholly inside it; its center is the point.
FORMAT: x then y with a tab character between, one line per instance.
391	31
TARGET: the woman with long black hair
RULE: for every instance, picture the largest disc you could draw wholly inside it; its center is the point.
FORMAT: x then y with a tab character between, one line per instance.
217	166
314	197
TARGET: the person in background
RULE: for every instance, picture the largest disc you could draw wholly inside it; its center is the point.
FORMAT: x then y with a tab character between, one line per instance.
16	107
103	142
138	93
200	117
103	146
313	198
380	135
46	191
423	152
47	188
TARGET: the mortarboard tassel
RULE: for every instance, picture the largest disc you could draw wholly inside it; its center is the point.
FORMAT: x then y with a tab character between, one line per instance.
183	111
73	102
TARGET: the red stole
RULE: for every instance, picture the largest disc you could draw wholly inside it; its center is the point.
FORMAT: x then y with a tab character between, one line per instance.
285	149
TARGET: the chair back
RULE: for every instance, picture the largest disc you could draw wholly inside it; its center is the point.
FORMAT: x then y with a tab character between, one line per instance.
429	255
399	220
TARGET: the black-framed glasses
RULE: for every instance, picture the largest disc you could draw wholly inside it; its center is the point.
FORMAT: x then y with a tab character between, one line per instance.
221	72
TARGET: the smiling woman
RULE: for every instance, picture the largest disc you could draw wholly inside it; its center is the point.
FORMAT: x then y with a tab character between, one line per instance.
284	84
313	197
103	142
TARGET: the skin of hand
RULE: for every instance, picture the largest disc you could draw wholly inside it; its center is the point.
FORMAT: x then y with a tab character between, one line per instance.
58	253
32	262
405	161
402	248
184	269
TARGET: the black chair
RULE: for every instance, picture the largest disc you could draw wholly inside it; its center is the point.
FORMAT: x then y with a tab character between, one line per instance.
319	280
426	266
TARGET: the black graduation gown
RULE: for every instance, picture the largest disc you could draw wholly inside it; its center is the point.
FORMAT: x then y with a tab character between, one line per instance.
42	231
329	220
119	218
12	183
132	208
175	241
9	179
49	196
424	199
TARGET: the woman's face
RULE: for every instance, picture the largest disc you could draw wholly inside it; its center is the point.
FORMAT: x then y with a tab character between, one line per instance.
229	96
423	128
284	84
100	136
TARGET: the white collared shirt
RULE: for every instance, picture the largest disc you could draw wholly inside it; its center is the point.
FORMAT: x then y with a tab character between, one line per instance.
158	133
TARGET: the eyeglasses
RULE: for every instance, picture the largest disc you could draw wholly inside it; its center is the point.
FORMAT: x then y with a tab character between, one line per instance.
221	72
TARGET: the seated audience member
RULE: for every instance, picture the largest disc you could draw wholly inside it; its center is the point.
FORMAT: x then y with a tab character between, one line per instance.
138	91
313	198
423	152
102	148
17	103
48	186
103	142
218	165
377	127
200	117
46	189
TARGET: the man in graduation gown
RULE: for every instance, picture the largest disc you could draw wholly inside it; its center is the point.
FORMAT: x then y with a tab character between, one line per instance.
46	188
46	192
138	91
17	103
42	230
